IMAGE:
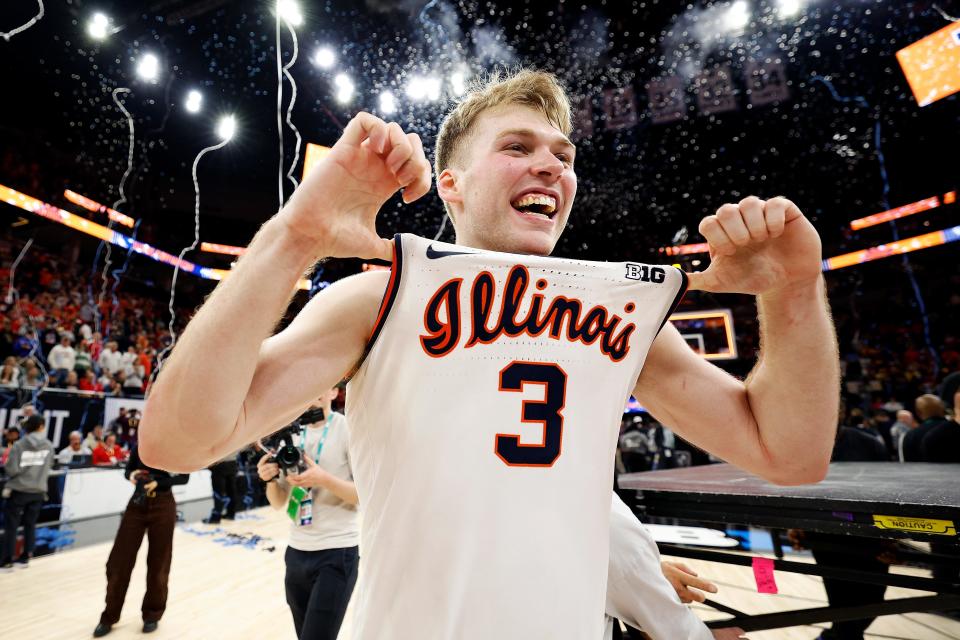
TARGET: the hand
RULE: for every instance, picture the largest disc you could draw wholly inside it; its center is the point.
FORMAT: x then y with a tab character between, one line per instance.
683	579
313	476
134	474
729	633
150	488
267	470
759	247
337	204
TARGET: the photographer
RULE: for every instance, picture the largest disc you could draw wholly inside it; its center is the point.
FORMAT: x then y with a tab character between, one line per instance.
152	511
320	497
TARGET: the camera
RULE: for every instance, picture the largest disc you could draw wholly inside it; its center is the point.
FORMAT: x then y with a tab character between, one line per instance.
285	452
140	493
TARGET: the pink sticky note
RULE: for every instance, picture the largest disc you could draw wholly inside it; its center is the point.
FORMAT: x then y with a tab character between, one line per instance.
763	574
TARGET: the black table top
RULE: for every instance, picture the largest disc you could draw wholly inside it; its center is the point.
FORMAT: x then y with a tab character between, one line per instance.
886	499
914	483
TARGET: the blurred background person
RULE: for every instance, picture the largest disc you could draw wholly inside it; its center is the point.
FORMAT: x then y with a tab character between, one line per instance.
28	469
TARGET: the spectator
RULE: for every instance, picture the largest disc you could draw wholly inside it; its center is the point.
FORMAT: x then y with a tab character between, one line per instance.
905	422
71	383
110	360
931	412
128	437
129	360
94	438
84	362
10	437
28	468
942	442
62	360
89	382
10	372
119	424
32	378
75	448
108	453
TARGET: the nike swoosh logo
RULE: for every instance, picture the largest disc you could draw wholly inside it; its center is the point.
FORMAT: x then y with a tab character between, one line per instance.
433	254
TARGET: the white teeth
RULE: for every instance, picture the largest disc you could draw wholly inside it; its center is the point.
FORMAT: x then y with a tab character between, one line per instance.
543	200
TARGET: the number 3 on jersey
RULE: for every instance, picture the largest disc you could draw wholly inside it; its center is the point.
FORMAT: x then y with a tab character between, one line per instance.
545	412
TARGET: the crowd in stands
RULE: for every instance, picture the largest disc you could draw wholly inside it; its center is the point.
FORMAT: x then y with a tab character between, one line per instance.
54	334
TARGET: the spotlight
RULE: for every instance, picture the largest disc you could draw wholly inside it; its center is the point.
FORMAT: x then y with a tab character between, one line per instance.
344	88
324	58
98	26
458	82
289	11
226	128
194	98
421	88
788	8
149	67
388	104
737	16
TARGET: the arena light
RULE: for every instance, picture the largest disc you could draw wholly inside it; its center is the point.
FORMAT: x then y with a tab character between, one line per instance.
90	228
902	212
788	8
686	249
224	249
226	128
344	88
458	82
315	153
932	65
194	99
148	68
737	16
324	58
289	11
96	207
925	241
421	88
388	104
98	26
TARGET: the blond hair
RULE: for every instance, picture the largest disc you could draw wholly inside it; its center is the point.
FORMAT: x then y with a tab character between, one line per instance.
538	90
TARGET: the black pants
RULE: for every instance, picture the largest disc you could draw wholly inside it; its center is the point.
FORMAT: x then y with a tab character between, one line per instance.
223	476
22	508
318	586
156	517
841	593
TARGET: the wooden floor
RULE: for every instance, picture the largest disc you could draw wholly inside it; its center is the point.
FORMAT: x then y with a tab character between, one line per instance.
237	591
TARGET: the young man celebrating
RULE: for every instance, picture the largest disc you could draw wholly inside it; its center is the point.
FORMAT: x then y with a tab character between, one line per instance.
488	381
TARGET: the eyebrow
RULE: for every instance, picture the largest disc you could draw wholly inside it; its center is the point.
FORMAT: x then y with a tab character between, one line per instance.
530	133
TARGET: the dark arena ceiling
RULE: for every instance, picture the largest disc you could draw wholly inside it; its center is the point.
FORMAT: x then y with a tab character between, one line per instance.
832	124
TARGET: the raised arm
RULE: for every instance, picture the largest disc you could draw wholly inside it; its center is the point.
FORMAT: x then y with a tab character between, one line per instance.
781	422
227	382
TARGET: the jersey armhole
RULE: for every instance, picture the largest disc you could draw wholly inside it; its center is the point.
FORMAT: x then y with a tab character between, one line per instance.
386	304
684	283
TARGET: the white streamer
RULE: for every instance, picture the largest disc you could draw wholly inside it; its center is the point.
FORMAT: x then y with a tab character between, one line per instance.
9	34
293	99
196	240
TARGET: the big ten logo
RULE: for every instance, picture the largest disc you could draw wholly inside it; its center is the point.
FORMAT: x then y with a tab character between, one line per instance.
645	273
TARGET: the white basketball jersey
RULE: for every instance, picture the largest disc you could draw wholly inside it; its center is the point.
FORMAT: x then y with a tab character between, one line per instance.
484	421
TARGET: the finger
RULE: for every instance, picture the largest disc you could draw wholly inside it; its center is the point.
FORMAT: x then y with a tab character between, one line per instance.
398	146
731	219
420	185
693	594
751	210
365	127
711	229
685	568
775	215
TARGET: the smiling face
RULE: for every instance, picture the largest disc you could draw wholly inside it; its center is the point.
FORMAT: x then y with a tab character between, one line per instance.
514	185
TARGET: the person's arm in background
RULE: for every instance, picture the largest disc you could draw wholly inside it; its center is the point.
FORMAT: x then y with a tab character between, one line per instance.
781	422
278	492
168	481
226	383
637	592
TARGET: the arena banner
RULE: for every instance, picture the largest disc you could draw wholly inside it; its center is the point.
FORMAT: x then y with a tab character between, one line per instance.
63	411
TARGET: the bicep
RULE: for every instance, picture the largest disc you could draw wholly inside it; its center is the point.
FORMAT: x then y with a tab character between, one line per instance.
320	346
702	403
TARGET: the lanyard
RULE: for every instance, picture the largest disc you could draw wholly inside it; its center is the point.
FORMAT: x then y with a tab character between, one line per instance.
323	438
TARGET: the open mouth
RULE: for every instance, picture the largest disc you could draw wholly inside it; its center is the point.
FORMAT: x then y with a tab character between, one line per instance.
536	205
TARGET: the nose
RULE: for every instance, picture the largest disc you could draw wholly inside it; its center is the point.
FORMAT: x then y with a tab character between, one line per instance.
547	165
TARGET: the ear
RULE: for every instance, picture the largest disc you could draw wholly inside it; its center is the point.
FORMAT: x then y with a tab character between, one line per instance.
448	186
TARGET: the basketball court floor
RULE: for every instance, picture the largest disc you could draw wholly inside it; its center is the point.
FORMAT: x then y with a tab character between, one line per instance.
227	583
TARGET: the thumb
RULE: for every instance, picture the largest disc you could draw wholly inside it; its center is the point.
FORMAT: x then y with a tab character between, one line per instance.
702	280
309	461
